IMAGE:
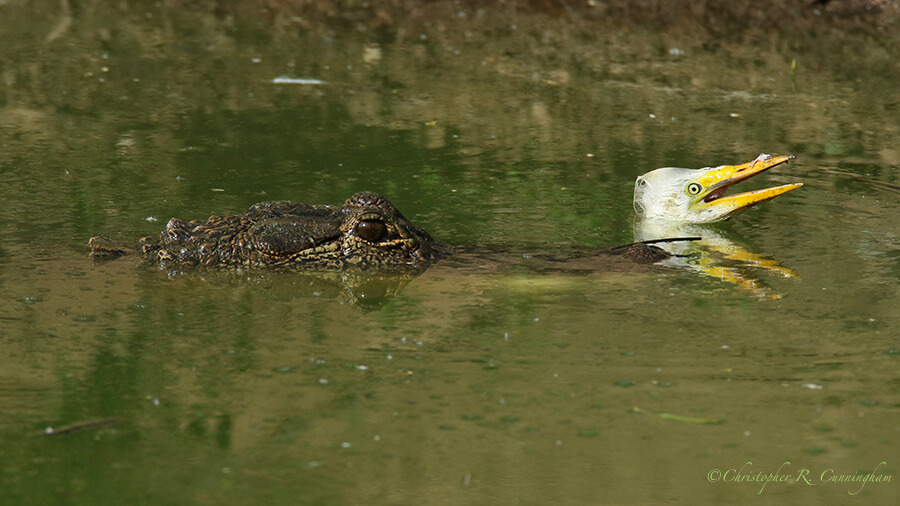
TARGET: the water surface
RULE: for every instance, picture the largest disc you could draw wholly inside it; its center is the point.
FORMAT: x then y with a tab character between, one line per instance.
462	386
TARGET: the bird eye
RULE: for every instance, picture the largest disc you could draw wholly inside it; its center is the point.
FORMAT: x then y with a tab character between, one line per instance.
694	189
371	230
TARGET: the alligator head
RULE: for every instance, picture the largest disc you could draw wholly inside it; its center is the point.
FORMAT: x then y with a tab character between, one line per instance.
366	233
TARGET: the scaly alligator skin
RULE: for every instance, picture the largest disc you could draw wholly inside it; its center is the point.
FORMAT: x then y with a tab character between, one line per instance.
367	232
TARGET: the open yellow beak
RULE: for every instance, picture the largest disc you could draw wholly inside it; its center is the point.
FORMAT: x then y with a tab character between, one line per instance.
709	188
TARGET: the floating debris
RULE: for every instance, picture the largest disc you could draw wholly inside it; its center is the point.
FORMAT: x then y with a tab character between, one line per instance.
296	80
77	427
371	54
678	418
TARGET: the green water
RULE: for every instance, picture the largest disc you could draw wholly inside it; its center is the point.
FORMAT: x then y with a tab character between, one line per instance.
778	342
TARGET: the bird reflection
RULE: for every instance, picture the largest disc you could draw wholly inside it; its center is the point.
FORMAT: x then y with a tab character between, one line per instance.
719	254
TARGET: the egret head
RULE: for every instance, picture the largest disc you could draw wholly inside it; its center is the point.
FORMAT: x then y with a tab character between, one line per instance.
697	195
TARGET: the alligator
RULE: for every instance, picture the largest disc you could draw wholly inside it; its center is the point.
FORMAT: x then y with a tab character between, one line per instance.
366	233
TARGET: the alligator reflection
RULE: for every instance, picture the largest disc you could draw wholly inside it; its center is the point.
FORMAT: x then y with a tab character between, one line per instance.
370	290
365	290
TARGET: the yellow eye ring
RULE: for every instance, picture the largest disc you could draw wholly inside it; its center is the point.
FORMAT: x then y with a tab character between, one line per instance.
694	189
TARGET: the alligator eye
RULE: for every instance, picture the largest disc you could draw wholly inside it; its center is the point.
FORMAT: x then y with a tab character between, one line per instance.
694	189
371	230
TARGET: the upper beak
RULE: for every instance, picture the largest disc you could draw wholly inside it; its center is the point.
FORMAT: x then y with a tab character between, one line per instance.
715	181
